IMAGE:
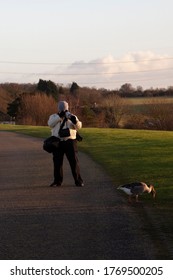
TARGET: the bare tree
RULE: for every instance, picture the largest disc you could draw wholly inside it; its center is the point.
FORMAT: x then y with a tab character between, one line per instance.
160	113
35	109
115	108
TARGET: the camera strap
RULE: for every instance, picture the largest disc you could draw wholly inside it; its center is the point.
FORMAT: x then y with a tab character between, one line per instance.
63	123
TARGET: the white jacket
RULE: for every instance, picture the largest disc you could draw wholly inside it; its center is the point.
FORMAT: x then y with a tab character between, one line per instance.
55	122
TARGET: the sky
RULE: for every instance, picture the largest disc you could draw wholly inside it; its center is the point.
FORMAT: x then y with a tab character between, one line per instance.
95	43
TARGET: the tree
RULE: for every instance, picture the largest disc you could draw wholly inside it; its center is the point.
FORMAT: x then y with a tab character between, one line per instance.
48	87
74	87
35	109
126	90
114	110
13	107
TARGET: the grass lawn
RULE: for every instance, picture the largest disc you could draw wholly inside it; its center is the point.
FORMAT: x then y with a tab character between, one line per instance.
127	156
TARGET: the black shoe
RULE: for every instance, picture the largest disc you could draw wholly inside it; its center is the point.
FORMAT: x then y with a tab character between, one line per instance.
81	184
54	184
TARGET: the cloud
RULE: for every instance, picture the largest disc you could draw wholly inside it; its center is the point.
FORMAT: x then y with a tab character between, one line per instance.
138	68
147	69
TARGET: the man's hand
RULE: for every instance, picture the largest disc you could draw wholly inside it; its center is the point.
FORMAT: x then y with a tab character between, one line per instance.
62	114
70	117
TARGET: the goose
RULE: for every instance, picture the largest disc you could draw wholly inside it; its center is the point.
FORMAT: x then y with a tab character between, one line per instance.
136	189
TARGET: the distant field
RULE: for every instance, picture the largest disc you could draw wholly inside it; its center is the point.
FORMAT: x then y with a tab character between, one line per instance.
145	100
144	105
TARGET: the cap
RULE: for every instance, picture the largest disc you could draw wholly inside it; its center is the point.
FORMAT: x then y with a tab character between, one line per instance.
62	106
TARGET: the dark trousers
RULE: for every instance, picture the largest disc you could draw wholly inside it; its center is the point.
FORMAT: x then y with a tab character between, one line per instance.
69	148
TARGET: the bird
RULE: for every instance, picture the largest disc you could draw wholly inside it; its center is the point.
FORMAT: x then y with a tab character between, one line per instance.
136	189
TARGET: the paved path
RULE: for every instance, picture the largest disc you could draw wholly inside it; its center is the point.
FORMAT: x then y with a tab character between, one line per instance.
39	222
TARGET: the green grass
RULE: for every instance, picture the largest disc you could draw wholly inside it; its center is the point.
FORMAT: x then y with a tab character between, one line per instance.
35	131
134	155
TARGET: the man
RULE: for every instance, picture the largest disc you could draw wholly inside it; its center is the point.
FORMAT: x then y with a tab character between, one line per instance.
68	144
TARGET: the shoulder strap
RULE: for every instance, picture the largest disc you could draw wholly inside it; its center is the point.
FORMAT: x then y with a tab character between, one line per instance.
61	126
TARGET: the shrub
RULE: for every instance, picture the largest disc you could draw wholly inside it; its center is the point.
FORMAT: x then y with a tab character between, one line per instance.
35	109
114	108
160	114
